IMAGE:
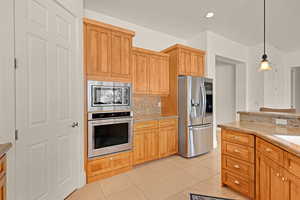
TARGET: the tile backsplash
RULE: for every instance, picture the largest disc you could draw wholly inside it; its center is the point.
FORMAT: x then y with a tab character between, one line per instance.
146	105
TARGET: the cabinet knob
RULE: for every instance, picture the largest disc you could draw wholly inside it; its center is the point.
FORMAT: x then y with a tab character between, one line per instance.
236	150
236	166
268	150
277	174
236	182
236	137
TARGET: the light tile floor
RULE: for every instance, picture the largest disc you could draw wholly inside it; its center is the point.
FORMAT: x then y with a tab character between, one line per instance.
171	178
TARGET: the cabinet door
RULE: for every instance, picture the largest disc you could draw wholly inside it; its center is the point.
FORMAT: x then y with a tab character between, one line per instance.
121	45
3	188
164	76
197	64
98	51
154	74
139	151
163	142
172	140
184	62
140	64
292	186
269	182
151	144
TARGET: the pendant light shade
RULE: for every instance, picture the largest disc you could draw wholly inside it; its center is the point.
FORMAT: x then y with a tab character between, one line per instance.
265	64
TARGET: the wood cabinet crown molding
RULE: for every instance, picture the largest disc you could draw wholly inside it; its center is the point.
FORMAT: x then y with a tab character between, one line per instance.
150	52
180	46
108	26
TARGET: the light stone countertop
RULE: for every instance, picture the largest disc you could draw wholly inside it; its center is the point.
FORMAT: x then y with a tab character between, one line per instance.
286	138
4	148
141	118
272	114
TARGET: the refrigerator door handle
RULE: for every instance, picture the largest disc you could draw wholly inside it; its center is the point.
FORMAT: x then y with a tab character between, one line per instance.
203	99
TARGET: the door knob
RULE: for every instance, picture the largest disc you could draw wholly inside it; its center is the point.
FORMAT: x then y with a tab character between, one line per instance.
75	124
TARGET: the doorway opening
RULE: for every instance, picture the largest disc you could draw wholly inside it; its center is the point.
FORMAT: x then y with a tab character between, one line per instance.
295	77
230	89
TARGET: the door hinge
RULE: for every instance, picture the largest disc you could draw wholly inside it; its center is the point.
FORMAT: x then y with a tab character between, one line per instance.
15	63
16	134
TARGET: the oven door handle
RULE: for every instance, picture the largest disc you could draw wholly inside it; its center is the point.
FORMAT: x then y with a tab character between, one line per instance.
111	121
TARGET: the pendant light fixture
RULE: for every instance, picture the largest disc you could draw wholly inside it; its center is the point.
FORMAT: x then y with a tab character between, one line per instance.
265	65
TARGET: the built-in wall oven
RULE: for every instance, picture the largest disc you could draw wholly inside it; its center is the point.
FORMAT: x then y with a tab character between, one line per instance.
109	132
108	96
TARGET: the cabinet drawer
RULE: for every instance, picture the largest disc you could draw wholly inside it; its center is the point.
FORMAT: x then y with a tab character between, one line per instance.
121	160
238	151
239	167
237	137
2	166
98	166
271	151
146	125
292	164
167	122
244	186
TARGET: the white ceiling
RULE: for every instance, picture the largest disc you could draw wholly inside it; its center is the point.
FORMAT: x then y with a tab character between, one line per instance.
239	20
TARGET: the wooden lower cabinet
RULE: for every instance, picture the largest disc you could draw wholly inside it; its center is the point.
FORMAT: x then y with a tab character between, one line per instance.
277	172
109	165
269	179
3	188
155	139
168	140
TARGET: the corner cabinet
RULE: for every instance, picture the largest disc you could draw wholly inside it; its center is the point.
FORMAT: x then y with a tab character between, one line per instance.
150	72
190	61
107	51
186	61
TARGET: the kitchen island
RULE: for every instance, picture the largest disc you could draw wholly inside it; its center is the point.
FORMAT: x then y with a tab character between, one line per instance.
260	158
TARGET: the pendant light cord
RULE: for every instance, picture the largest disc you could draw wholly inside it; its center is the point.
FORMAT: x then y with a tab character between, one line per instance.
264	27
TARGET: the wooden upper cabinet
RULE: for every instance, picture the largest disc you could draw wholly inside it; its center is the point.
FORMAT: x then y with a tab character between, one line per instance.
140	73
197	64
107	52
185	60
121	55
98	51
151	72
189	61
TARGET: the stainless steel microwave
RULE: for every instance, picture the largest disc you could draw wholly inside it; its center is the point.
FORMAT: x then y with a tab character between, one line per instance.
108	96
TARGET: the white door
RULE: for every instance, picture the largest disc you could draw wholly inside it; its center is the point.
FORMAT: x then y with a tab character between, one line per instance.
47	98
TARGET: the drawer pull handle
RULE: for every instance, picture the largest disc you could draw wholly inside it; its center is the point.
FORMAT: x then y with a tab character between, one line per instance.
277	174
268	150
236	182
236	137
236	166
236	151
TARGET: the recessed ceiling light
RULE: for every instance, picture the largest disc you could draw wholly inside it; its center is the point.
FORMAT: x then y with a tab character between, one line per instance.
209	15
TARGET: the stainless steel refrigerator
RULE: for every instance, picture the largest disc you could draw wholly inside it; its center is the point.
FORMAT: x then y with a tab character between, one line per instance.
195	106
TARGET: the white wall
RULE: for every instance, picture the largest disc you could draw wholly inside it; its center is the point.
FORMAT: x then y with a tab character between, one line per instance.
225	92
270	88
7	109
144	37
